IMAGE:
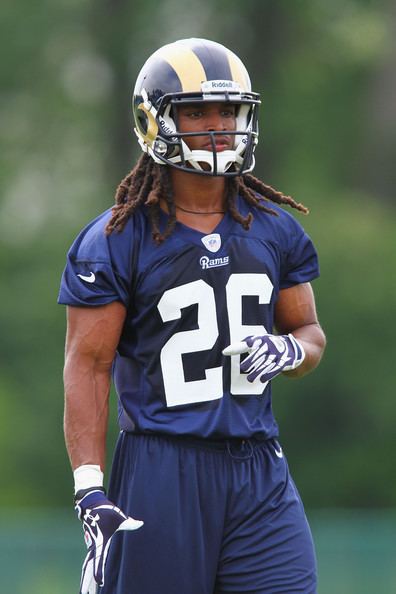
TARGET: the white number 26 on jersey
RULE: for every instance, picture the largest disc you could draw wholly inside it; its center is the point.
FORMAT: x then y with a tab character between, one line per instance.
177	390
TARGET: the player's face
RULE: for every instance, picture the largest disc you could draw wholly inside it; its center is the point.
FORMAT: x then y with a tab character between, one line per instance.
210	117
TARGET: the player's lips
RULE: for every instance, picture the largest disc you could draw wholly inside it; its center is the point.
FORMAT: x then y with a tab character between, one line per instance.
221	143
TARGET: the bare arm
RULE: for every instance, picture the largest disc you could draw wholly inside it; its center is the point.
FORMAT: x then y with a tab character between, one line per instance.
295	313
92	337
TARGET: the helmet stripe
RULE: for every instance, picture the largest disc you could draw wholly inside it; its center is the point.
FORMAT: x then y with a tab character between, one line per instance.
186	65
157	74
213	59
239	72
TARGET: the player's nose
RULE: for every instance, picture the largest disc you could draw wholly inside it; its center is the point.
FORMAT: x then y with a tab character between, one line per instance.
214	121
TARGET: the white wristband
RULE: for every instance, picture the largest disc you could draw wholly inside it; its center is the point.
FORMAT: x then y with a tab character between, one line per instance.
86	476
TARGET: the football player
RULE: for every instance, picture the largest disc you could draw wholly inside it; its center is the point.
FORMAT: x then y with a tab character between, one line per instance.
193	292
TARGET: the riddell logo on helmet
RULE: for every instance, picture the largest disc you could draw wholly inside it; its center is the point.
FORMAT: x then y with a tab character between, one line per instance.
165	127
220	85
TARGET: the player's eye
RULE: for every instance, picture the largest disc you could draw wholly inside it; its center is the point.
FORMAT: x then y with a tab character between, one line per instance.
194	115
229	112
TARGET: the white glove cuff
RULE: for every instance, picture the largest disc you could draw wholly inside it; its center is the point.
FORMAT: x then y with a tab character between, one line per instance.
86	476
299	352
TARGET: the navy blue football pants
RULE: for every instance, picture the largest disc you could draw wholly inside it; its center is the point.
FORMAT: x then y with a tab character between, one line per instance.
218	518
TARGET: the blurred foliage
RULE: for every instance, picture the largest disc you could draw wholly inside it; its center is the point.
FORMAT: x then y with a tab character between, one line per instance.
41	551
327	75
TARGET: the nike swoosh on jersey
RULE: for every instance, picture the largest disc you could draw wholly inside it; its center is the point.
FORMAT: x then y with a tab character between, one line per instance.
89	279
279	452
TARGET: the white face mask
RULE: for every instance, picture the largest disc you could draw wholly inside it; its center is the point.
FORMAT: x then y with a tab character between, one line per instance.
169	147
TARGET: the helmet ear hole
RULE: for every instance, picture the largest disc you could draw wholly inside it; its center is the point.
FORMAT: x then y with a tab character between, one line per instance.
142	121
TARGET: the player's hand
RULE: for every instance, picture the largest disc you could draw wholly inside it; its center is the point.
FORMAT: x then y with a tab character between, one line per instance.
269	355
101	519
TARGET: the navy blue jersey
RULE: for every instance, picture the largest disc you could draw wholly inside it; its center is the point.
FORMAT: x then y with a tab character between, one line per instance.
186	300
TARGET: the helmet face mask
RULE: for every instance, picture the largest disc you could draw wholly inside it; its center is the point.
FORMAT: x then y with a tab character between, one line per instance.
173	77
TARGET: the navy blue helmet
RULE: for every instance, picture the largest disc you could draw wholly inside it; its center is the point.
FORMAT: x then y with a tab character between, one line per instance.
195	71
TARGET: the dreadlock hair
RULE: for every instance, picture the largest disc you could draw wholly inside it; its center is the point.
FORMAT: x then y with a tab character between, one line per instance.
148	182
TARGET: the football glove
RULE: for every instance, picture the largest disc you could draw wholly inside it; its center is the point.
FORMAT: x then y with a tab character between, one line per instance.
101	519
268	356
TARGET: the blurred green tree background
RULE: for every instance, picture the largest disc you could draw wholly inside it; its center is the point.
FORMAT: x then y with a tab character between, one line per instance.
327	75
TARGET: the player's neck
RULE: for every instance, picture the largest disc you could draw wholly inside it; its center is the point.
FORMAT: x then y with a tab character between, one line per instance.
198	193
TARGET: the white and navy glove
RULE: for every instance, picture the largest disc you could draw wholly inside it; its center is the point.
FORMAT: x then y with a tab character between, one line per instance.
101	519
268	356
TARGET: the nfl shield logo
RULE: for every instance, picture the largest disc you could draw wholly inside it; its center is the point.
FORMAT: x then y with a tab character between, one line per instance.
212	242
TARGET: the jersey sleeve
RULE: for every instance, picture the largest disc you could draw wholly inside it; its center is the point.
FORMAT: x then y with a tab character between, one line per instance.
300	259
98	267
